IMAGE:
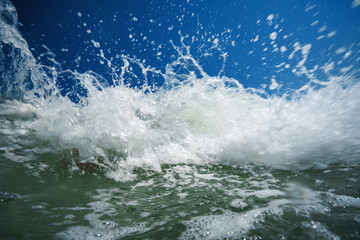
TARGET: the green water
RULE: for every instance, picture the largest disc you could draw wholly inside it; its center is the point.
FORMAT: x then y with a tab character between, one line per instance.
42	200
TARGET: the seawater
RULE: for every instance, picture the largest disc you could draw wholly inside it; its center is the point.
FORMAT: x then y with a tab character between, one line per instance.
201	157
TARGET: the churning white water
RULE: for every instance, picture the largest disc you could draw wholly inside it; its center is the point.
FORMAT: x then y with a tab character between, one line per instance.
199	157
194	118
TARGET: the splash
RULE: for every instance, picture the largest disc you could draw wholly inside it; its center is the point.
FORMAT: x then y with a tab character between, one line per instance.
193	118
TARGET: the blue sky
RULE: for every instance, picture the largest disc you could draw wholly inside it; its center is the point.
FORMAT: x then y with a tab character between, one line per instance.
76	31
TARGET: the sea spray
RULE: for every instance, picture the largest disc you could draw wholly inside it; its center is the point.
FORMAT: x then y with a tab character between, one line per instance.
177	152
202	122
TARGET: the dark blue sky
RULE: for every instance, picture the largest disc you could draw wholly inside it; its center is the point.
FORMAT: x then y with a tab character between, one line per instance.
75	31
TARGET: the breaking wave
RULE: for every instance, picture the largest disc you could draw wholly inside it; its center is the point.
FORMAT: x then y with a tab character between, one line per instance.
192	118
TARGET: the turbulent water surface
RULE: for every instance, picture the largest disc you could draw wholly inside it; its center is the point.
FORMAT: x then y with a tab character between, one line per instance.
174	151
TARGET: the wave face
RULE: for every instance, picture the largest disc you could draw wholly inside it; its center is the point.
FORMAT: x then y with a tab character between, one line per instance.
233	154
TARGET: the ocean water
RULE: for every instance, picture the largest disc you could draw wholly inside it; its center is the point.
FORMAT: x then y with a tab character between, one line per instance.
177	152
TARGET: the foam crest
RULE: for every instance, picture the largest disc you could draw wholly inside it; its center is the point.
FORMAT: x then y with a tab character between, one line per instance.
206	122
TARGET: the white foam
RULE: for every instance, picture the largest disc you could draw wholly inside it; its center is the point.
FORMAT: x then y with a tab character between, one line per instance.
228	224
89	233
238	203
200	124
17	110
343	201
144	183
